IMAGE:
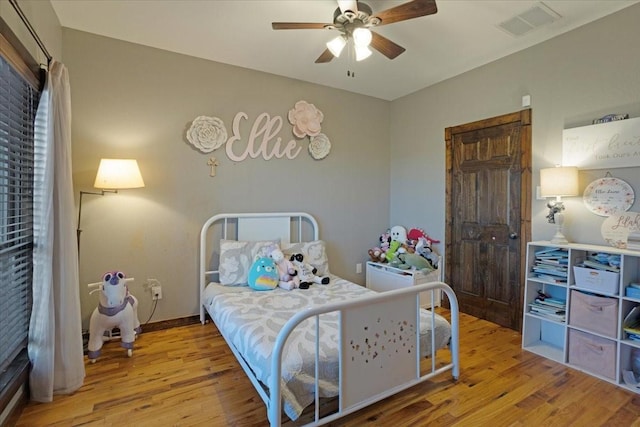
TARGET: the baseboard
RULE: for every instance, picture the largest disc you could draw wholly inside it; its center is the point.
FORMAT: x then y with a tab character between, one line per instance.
172	323
114	334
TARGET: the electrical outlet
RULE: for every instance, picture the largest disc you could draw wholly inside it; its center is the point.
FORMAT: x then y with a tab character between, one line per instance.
156	292
359	268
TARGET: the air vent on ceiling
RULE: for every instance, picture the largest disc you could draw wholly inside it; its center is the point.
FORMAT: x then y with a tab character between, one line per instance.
537	16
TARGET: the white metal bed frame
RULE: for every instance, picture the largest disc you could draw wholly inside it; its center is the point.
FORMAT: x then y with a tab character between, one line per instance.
350	313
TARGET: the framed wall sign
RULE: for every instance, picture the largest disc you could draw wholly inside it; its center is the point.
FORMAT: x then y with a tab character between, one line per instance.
603	146
608	196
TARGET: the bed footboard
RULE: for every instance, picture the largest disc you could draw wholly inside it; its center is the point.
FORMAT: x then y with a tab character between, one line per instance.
378	349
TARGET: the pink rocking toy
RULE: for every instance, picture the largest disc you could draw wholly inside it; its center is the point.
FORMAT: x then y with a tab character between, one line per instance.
116	308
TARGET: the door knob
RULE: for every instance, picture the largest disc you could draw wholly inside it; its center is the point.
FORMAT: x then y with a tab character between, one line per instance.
513	236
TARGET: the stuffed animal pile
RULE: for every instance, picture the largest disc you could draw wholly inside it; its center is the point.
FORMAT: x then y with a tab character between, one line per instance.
404	249
272	269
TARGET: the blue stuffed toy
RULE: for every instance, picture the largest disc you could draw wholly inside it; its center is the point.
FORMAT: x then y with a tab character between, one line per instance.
263	275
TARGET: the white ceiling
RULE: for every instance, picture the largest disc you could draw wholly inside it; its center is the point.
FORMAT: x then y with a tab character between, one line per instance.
462	35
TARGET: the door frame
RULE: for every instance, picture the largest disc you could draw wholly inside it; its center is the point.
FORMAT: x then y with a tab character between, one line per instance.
524	117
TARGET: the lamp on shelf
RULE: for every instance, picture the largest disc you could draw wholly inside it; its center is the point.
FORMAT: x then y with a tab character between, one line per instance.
558	182
113	175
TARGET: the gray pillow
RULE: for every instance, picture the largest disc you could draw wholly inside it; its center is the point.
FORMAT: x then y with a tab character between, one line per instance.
236	258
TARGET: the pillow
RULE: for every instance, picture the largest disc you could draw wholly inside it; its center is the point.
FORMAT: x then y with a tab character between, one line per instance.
236	258
314	253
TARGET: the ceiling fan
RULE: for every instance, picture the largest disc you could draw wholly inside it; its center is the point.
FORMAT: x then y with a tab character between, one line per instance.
354	20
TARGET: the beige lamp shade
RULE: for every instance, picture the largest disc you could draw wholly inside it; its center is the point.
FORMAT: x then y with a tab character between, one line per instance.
559	181
116	174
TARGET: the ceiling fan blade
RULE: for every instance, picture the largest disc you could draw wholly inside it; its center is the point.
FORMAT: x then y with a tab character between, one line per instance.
409	10
385	46
345	5
298	26
326	56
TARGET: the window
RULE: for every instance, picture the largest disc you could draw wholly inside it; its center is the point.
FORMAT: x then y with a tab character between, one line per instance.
18	104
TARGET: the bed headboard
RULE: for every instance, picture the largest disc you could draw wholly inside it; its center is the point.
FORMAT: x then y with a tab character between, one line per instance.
289	227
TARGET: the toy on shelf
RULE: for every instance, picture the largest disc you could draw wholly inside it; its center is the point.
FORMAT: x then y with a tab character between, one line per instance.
411	261
378	253
117	308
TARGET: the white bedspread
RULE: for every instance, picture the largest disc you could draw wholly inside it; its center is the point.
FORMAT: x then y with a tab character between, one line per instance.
251	320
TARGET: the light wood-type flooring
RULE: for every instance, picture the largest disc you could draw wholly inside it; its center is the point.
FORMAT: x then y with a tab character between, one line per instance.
187	376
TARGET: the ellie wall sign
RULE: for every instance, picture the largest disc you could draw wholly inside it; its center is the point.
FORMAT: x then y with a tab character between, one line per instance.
262	138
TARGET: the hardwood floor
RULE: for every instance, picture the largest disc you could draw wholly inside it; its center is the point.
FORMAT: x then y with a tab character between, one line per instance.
187	376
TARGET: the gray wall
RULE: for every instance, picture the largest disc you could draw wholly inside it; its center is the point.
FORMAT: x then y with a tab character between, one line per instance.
131	101
584	74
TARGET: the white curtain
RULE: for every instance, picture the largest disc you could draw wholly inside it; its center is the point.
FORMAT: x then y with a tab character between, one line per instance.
55	331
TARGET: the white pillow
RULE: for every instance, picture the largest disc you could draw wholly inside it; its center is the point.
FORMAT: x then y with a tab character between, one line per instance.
314	253
236	258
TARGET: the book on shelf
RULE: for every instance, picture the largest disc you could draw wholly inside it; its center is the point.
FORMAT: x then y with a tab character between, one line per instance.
552	279
545	251
551	302
600	266
540	306
551	265
552	261
547	308
551	252
550	271
560	317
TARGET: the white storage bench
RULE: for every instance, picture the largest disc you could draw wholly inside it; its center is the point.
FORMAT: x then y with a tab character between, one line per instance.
382	277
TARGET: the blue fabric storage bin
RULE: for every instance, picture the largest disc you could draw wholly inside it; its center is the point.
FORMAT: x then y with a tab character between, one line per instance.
632	292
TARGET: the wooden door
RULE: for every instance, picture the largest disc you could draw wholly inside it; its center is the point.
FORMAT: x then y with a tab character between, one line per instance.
488	217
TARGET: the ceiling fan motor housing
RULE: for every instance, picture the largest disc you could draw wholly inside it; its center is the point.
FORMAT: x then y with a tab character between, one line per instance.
349	20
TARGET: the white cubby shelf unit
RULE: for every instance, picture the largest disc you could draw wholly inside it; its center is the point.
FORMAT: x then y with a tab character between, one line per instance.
591	337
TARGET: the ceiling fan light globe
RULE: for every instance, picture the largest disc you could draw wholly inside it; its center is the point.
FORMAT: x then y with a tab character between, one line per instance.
362	37
362	52
336	45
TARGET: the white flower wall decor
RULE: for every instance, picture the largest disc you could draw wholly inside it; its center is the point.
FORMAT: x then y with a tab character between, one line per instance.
207	133
306	119
319	146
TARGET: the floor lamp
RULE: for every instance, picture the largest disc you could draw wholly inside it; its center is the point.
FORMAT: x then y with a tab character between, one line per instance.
558	182
113	175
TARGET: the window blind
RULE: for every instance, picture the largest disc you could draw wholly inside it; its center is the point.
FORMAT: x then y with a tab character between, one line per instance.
18	105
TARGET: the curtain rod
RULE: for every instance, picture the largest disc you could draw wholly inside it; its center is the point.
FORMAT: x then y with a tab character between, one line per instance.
32	31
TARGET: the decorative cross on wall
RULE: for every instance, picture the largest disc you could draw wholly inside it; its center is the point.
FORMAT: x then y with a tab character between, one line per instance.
213	162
